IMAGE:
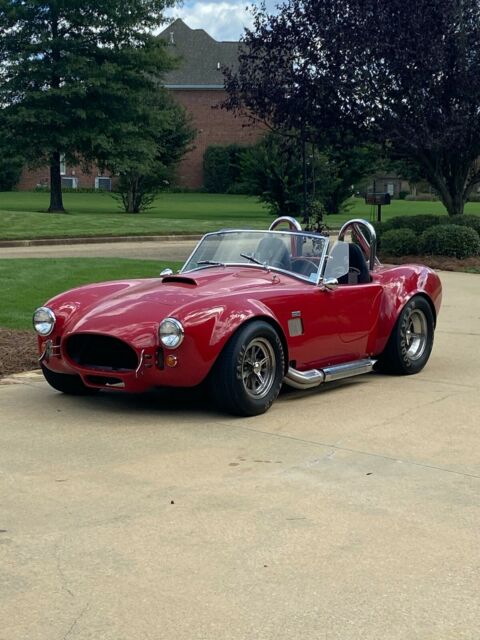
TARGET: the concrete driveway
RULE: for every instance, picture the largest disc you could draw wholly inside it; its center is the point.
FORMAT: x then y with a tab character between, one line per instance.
347	512
177	250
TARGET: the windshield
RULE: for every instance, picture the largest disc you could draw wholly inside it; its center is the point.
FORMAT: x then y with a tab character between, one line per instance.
300	254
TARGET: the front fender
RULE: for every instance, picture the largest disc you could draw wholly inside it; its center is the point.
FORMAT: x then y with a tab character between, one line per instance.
208	330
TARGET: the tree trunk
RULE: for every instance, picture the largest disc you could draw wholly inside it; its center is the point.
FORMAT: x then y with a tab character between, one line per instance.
453	203
56	200
132	195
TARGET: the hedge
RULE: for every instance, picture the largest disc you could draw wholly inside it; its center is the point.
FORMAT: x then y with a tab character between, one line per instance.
399	242
453	240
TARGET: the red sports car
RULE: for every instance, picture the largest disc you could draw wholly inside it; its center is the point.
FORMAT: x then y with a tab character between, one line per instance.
248	312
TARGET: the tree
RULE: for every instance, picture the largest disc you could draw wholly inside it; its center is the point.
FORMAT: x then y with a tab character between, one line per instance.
273	169
402	74
146	157
71	76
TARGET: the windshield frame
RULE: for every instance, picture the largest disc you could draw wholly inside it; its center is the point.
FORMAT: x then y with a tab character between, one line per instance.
282	232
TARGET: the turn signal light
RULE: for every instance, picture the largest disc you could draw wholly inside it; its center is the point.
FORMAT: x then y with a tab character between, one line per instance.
171	360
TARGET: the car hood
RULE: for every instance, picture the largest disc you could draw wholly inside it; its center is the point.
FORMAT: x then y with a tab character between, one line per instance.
133	309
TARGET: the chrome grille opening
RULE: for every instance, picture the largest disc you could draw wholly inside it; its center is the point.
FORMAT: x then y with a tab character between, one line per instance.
94	351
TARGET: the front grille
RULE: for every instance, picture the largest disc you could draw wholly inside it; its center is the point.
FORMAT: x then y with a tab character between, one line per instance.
94	351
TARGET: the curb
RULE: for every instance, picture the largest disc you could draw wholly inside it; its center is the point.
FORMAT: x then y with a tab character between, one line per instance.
42	242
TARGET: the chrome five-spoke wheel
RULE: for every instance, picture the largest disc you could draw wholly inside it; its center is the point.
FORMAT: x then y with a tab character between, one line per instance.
258	368
248	374
411	340
416	334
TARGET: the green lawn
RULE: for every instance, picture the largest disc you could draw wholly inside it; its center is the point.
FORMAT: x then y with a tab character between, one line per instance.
27	284
23	214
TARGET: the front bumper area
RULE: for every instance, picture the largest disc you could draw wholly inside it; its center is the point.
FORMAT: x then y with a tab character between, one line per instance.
150	368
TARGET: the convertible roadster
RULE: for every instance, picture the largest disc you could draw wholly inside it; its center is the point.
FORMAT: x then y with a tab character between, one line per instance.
248	312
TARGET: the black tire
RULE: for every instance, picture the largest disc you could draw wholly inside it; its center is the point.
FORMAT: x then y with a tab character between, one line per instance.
410	344
72	385
243	386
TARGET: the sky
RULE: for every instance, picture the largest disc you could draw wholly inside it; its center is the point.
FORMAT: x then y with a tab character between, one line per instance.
222	19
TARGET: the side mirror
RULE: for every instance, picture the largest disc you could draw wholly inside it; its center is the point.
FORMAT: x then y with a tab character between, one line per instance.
329	284
166	272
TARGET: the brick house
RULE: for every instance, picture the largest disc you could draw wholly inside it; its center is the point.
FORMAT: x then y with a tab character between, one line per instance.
197	84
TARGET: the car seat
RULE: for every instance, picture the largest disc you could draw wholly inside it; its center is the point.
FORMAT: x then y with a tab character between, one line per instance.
358	270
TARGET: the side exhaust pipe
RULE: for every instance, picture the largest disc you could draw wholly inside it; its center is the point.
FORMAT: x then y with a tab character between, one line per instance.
315	377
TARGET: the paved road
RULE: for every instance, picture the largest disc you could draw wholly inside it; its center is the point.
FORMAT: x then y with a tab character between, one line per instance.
346	512
154	250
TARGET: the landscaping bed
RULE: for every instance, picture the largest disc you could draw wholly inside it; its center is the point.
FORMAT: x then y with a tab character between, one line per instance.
18	351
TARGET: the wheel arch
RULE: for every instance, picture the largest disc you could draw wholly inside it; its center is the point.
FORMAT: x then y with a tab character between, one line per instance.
425	296
274	324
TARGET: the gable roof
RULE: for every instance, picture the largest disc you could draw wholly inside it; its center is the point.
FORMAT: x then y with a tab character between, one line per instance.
201	58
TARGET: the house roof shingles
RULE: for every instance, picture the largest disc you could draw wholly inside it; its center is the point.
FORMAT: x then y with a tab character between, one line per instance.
201	58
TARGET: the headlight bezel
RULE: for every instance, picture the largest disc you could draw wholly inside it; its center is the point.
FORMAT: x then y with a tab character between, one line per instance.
51	321
179	333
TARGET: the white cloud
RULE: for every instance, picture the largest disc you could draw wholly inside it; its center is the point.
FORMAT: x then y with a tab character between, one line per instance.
222	20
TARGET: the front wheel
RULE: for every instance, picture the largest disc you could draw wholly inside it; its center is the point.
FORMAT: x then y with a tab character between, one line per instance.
248	374
411	341
70	384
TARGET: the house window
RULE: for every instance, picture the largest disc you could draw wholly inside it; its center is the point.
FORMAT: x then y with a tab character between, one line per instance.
390	188
103	183
63	165
69	182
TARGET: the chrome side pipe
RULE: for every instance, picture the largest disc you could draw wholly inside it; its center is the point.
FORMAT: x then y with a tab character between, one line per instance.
315	377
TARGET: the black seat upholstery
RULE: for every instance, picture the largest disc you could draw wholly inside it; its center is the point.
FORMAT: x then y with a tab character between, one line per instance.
357	265
274	252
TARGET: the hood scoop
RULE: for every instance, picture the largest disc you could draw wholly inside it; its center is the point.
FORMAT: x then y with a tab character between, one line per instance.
180	280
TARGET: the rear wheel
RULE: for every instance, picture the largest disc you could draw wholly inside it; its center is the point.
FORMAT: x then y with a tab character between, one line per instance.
248	375
70	384
411	341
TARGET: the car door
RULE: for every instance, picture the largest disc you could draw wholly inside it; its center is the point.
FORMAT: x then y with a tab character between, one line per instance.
336	324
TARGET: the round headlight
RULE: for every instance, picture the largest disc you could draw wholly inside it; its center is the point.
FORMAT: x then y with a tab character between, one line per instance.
171	333
44	321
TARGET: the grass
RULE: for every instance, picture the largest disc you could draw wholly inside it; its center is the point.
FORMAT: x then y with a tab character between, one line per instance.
29	283
23	214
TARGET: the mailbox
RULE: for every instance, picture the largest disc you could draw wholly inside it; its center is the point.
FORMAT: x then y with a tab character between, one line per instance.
377	198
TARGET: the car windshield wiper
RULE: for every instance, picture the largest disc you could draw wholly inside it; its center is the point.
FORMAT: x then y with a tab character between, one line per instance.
253	259
213	262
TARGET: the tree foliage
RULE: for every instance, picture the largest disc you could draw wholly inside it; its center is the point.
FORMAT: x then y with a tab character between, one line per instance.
403	74
273	169
73	74
146	157
222	168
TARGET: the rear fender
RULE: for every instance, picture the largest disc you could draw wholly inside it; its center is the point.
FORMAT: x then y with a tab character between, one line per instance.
400	286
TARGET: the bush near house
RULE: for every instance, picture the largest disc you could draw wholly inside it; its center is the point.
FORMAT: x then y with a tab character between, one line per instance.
466	221
428	234
221	168
400	242
422	197
416	223
450	240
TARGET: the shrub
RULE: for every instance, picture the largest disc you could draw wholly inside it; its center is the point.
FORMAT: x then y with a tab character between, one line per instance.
221	168
415	223
451	240
216	169
380	228
403	194
399	242
422	197
466	221
474	197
